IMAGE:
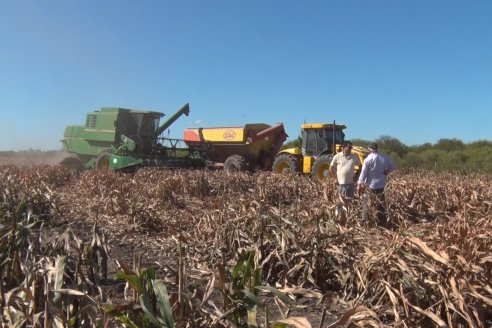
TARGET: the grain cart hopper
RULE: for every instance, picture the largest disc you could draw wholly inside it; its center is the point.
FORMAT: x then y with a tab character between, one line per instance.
319	144
124	139
244	148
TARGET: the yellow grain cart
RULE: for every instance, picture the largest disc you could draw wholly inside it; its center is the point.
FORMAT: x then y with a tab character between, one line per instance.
252	146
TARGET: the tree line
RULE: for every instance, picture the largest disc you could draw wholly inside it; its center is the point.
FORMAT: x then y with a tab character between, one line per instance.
445	154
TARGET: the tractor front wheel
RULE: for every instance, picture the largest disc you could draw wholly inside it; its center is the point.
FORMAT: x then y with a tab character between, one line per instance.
321	167
285	164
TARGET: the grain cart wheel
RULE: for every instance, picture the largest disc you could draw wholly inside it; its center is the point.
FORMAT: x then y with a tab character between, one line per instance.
321	167
102	160
285	164
235	163
73	163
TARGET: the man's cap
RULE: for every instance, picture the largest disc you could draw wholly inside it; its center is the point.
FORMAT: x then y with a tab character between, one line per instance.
372	146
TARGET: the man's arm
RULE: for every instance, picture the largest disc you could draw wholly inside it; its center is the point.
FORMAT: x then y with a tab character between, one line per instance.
333	167
390	165
362	177
333	171
358	164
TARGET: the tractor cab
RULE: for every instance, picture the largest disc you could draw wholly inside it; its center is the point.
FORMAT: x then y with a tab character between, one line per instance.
320	138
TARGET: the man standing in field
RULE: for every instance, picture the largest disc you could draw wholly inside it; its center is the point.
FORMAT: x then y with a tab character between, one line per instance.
373	175
343	165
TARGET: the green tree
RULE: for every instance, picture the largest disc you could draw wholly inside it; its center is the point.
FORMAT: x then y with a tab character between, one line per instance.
395	157
479	156
450	145
293	143
421	148
433	158
391	144
360	142
412	160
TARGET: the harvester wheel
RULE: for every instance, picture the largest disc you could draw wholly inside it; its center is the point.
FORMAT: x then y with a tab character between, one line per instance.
321	167
286	164
235	163
73	163
102	161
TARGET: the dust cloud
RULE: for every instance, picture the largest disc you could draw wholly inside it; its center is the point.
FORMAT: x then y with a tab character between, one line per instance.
27	158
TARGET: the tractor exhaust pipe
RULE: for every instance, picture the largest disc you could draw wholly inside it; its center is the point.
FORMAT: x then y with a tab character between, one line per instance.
334	143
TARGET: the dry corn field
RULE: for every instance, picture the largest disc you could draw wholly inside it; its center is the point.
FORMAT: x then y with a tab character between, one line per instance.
163	248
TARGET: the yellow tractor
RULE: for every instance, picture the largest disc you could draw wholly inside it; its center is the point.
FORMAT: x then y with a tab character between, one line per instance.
320	142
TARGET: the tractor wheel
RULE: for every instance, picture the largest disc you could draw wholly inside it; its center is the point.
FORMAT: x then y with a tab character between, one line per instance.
102	161
321	167
73	163
235	163
286	164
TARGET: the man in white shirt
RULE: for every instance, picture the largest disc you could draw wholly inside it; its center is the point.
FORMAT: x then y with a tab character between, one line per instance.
373	176
344	165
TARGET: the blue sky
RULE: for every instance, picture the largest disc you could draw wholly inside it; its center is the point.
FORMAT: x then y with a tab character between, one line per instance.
415	70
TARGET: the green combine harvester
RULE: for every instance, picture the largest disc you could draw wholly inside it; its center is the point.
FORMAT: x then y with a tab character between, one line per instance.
125	139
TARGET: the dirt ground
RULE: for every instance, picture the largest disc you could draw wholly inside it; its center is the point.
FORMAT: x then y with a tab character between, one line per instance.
150	249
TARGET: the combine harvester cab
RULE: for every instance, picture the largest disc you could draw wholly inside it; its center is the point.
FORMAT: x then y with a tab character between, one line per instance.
239	148
125	139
